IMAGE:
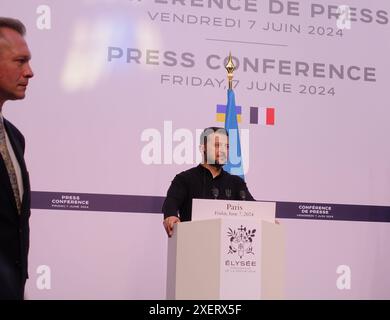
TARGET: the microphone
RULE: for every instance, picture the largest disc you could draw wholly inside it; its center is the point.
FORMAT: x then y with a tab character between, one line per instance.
215	192
242	195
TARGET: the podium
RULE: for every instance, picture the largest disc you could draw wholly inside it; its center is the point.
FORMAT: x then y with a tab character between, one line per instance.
226	258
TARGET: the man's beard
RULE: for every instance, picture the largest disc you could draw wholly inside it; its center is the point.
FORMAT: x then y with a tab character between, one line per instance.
217	165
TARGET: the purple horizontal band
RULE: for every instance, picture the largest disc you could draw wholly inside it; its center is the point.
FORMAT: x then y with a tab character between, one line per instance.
153	204
95	202
222	109
320	211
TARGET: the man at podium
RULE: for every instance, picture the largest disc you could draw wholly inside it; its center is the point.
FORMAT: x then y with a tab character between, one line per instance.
208	180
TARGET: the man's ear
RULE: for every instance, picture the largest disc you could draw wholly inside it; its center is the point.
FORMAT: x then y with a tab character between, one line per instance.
202	149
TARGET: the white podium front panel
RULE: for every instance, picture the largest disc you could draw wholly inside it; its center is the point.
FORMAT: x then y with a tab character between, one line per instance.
203	209
226	259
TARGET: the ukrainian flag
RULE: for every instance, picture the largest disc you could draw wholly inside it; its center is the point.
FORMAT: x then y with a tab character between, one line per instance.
221	113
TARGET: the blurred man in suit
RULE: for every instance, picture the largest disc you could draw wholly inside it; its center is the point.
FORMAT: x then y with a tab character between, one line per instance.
15	73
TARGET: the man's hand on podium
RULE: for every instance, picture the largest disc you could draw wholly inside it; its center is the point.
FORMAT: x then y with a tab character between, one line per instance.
168	223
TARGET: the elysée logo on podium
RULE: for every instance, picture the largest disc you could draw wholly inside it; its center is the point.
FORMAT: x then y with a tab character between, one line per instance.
205	209
240	253
240	220
241	240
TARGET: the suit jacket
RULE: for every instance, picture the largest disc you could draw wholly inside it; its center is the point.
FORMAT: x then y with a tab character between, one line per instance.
14	228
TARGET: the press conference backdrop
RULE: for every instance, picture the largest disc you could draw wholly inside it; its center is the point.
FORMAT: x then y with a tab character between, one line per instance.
121	91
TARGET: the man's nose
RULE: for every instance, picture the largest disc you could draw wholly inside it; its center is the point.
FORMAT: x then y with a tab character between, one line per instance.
28	73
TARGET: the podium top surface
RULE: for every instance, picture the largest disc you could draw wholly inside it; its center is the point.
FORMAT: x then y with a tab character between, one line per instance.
205	209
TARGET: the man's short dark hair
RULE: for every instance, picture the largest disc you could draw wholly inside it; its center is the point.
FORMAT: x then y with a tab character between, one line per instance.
13	24
210	130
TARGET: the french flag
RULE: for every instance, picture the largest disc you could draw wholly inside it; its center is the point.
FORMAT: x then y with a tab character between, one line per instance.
263	115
